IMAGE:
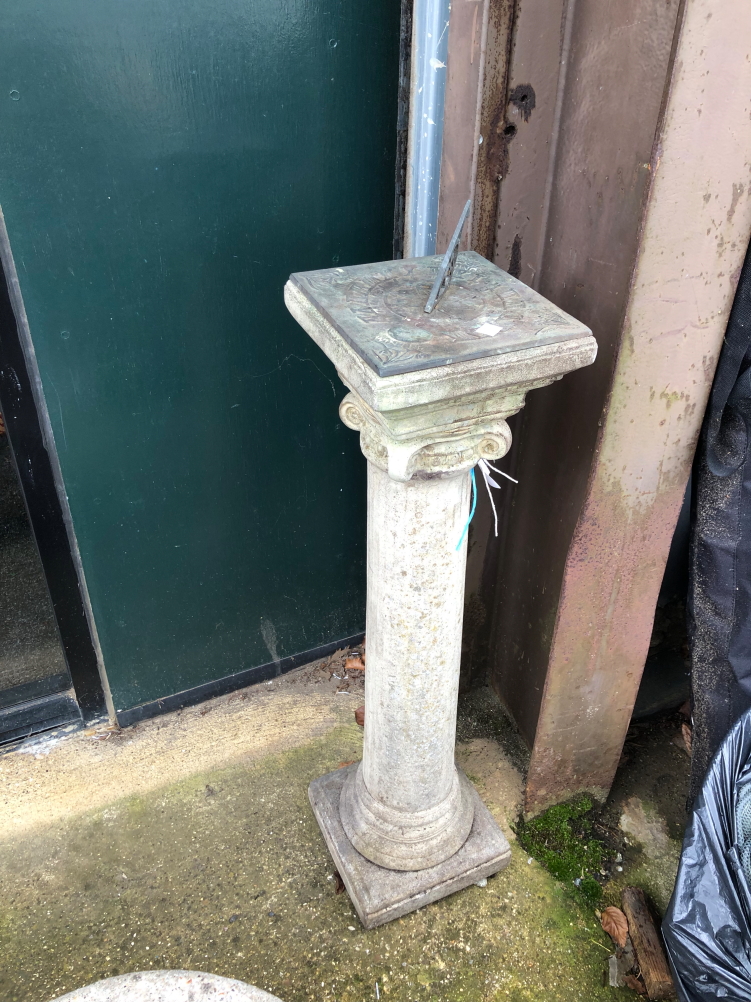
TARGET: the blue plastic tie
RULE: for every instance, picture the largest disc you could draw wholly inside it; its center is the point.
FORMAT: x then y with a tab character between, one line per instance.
472	509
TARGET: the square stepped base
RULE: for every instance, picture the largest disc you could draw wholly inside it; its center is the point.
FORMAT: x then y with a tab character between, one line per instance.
380	895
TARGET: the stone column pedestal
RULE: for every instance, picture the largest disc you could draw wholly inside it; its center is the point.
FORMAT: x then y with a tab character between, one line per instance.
405	827
406	807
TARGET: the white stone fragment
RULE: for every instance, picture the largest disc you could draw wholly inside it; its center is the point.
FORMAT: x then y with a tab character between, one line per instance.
168	986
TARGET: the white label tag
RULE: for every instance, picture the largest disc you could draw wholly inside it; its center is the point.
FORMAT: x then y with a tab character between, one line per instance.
489	330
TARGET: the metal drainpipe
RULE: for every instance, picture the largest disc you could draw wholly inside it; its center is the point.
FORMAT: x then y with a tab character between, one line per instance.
430	38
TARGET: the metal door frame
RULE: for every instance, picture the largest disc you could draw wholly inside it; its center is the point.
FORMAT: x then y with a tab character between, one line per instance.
32	445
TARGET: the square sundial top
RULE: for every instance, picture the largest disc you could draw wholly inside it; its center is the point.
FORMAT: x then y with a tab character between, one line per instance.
379	311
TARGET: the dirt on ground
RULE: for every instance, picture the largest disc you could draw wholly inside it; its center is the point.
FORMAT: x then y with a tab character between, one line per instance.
188	842
647	804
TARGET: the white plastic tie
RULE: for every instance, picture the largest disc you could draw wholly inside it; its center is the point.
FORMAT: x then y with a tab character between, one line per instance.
485	469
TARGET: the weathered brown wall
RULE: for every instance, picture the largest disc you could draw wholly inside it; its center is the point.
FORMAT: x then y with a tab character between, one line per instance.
577	233
468	30
474	145
619	135
695	234
536	84
475	103
570	98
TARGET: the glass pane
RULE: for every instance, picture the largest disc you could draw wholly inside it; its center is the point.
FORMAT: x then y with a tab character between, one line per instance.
31	657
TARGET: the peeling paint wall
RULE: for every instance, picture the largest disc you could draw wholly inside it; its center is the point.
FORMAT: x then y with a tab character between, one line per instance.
612	176
467	44
695	235
474	152
593	126
474	144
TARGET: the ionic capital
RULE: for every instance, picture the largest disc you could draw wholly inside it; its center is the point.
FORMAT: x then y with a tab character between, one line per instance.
424	443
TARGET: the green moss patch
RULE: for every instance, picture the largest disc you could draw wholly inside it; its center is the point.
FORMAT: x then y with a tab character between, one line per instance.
564	841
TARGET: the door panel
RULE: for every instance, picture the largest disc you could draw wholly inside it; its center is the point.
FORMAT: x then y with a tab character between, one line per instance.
165	165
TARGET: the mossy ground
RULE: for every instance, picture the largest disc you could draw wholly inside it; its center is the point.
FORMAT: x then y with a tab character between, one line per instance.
635	837
564	841
226	872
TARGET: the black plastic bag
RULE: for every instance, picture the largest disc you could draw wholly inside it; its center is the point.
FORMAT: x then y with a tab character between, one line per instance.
719	594
707	927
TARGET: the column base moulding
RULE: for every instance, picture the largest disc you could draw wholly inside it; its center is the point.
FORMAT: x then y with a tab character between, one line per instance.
380	895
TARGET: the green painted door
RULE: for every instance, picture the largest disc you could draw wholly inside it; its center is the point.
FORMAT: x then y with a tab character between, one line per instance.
164	166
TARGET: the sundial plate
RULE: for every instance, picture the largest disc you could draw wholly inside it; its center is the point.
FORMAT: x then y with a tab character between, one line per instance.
379	311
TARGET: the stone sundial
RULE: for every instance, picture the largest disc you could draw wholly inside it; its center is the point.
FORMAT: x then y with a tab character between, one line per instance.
379	310
435	362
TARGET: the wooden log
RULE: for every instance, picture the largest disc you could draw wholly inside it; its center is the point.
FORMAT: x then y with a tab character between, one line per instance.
647	945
